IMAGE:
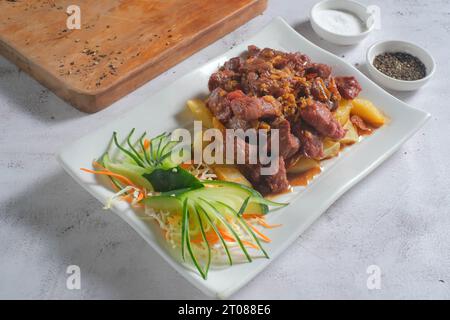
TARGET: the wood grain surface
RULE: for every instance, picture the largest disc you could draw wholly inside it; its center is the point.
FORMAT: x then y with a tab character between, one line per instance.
120	46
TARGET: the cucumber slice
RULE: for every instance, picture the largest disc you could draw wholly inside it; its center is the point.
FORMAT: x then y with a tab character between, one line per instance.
132	172
243	191
173	205
232	194
164	203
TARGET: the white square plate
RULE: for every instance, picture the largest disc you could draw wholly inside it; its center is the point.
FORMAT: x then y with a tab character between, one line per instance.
166	111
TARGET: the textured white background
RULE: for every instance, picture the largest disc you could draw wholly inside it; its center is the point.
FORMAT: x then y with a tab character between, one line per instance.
397	218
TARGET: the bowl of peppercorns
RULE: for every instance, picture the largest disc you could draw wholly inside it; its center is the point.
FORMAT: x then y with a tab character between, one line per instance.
400	65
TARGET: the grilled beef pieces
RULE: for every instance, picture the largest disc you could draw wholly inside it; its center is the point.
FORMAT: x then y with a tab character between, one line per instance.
270	89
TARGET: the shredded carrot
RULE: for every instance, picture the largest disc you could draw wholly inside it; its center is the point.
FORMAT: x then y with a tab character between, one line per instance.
146	144
173	219
112	174
260	219
185	165
114	186
212	238
226	236
249	244
263	237
127	198
251	215
262	222
96	164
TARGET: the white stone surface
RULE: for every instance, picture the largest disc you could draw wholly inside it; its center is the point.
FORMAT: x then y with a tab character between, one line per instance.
397	218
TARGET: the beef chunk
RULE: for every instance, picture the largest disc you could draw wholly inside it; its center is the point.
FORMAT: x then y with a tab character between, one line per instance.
252	108
245	151
253	50
311	144
225	105
318	70
234	64
332	104
261	85
359	123
277	182
335	96
299	62
301	89
288	143
228	76
267	54
348	87
271	107
320	118
326	92
277	59
225	79
237	123
219	105
319	90
246	108
280	63
253	173
257	65
332	87
250	83
267	184
236	94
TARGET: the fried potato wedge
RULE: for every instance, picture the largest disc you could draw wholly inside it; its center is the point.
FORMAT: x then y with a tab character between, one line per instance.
342	113
229	172
368	112
303	164
351	136
201	112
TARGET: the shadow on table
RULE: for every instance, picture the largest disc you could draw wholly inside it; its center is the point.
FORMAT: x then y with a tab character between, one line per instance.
111	256
305	29
32	98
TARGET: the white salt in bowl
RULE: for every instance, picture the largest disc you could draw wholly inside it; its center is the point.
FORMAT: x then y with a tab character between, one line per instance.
399	46
354	8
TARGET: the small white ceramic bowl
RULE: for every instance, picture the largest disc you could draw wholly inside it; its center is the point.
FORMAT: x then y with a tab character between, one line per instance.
399	46
348	6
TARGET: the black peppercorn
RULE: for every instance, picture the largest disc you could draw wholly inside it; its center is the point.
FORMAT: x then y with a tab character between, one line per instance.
400	65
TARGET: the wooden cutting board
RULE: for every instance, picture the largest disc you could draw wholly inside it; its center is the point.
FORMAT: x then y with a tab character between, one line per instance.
121	44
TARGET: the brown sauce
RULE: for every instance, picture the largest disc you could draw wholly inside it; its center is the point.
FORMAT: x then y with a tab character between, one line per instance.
297	180
302	179
363	133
